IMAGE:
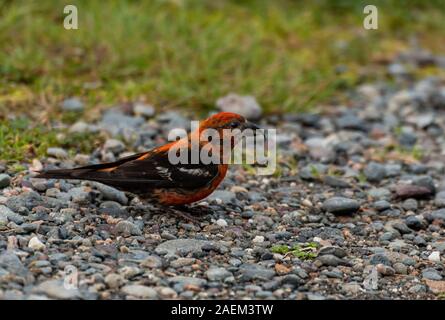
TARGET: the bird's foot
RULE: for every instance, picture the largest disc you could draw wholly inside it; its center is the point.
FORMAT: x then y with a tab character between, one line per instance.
184	214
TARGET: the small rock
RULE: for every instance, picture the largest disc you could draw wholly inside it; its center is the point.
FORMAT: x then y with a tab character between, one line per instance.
415	222
434	256
431	274
110	193
171	247
332	261
351	288
222	196
144	110
127	228
341	205
217	274
381	205
114	280
152	261
139	291
72	104
36	244
385	270
404	191
410	205
115	146
57	153
253	271
57	290
374	172
258	239
221	222
5	180
336	251
247	106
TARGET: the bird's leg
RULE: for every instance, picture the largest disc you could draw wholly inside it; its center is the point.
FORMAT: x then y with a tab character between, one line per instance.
196	210
183	214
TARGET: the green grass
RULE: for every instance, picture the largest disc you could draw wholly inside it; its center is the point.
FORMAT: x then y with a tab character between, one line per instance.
186	54
21	141
304	252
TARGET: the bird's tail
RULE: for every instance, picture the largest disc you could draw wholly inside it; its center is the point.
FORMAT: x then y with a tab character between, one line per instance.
77	173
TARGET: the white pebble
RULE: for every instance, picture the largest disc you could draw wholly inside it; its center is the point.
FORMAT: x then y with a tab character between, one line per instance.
434	256
258	239
221	223
36	244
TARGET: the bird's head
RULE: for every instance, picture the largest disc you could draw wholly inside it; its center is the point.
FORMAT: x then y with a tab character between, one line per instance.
228	121
225	129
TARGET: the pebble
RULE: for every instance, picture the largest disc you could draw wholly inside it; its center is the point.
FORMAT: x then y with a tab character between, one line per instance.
431	274
374	172
222	223
72	104
171	247
36	244
5	180
258	239
144	110
127	228
56	289
57	153
114	280
341	205
434	256
332	261
217	274
139	291
247	106
115	146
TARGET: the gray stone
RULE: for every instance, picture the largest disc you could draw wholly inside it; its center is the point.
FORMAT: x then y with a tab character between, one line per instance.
183	281
139	291
57	153
55	289
110	193
250	272
117	123
172	247
332	261
223	195
341	205
380	258
114	280
127	228
72	104
374	172
115	146
334	250
381	205
415	222
410	204
144	110
80	195
440	199
431	274
11	263
247	106
217	274
350	121
5	180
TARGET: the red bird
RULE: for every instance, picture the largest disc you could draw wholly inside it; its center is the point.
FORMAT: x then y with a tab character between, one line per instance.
153	177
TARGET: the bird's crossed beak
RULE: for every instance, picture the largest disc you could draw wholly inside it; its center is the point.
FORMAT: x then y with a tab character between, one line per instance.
254	127
250	125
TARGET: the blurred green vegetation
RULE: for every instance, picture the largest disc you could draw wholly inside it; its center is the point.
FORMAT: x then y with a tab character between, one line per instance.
290	55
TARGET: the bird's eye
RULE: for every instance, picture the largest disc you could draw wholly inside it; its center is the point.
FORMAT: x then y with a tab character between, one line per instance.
234	124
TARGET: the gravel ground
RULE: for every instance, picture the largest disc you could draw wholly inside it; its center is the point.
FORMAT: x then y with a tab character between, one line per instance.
357	210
